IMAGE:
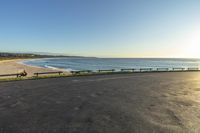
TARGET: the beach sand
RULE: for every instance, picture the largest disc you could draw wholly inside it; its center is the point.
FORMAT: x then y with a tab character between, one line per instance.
14	66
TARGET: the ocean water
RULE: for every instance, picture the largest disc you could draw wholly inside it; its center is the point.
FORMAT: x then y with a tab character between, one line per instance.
94	64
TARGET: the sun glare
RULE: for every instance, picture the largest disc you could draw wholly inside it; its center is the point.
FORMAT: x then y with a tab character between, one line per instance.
192	47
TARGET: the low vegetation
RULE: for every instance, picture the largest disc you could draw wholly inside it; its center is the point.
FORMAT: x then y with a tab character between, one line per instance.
9	56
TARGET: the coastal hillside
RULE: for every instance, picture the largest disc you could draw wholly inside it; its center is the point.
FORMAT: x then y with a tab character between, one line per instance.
4	56
7	55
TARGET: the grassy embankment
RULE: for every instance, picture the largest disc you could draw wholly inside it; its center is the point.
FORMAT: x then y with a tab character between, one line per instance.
58	76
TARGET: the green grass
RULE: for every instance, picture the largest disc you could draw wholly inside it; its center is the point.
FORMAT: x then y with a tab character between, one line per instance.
32	78
52	76
72	75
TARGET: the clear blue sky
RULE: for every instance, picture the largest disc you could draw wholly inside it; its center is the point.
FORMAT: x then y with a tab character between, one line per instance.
103	28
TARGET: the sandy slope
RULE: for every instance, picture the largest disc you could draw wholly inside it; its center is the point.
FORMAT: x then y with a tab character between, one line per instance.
13	66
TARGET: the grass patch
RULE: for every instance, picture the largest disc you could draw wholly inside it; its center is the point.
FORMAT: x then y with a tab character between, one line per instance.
53	76
32	78
74	75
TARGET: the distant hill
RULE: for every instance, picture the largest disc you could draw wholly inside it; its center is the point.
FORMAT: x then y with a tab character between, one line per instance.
6	55
21	55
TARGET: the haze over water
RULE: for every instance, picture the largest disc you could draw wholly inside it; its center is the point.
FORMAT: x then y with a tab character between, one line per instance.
112	63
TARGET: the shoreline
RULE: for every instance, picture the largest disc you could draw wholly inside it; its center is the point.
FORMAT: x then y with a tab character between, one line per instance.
13	66
22	63
17	65
50	67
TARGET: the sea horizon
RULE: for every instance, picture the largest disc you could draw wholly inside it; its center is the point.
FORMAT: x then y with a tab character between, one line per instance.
94	64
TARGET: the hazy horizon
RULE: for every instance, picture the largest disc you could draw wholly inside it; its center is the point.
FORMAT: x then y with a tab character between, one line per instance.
108	29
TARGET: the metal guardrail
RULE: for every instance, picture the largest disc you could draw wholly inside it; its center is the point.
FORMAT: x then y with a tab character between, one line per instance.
110	70
162	69
43	73
82	71
178	69
193	69
146	69
8	75
127	70
140	70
